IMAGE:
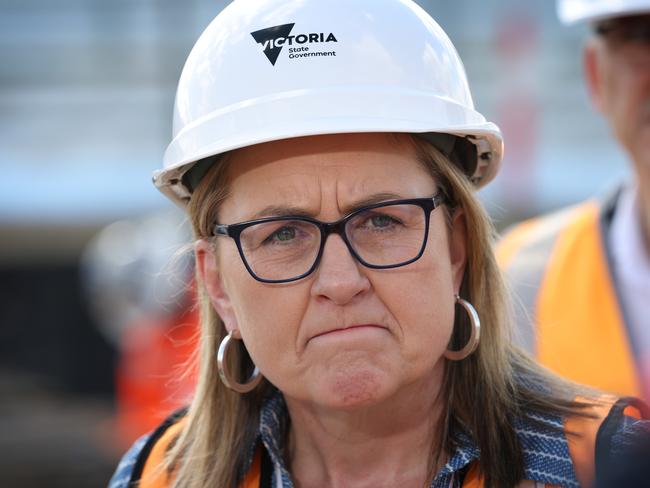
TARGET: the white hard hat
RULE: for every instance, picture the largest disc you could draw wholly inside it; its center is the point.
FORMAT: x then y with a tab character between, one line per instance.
573	11
265	70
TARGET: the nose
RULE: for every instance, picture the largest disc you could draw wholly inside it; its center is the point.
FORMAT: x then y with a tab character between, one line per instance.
339	277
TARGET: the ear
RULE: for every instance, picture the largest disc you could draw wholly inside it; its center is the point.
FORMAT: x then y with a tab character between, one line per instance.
458	247
591	59
208	272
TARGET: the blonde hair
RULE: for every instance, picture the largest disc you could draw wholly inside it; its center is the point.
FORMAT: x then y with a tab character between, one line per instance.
504	382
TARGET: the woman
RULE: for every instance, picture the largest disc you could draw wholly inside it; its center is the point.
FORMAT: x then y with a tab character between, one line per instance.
354	323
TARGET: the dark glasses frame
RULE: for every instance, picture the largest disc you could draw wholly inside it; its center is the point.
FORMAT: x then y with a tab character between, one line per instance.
327	228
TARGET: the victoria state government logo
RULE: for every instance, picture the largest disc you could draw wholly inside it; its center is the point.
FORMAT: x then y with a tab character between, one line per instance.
308	45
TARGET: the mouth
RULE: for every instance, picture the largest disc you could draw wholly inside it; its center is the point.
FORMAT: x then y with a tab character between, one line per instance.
350	330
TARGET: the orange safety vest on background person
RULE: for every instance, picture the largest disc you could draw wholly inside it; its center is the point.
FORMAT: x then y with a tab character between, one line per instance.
584	440
559	269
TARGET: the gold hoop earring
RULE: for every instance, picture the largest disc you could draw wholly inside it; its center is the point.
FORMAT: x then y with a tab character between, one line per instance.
225	375
475	334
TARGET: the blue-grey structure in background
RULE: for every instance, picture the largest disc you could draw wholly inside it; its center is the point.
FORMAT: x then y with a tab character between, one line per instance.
87	86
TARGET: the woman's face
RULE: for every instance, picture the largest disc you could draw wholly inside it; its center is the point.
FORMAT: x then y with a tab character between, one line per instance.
346	335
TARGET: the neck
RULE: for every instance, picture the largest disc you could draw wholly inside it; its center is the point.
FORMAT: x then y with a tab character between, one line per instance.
386	444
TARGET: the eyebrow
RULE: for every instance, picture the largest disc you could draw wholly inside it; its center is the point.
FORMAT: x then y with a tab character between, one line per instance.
289	210
281	211
371	200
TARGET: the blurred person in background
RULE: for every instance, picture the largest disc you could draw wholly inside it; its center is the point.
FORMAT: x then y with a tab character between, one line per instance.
139	288
328	154
582	275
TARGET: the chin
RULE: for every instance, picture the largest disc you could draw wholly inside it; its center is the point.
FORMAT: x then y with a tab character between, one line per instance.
349	388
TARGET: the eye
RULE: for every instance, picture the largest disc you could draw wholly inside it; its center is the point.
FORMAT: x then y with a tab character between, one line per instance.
382	220
377	222
283	234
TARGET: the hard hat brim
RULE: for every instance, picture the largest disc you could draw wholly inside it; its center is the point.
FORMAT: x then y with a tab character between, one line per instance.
574	12
271	118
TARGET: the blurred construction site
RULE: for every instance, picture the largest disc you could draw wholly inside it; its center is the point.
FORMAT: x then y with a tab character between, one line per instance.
96	318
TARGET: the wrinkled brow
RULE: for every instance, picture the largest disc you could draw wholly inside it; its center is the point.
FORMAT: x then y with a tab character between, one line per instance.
290	210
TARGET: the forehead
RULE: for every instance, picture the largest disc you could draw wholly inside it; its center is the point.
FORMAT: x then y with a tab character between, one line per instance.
347	165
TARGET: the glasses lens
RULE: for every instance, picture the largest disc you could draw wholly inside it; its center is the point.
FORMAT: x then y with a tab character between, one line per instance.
280	249
388	235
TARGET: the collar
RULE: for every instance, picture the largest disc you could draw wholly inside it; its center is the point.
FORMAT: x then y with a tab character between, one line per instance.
544	445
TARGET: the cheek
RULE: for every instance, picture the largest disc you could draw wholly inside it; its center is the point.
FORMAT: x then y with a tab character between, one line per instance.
429	310
424	312
269	319
628	88
627	110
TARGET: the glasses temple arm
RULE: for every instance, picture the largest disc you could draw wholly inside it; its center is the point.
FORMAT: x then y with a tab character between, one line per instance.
220	230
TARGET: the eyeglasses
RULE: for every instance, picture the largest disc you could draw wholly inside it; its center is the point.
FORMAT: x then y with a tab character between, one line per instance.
380	236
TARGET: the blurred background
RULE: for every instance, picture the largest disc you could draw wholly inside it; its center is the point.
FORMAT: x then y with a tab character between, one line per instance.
95	285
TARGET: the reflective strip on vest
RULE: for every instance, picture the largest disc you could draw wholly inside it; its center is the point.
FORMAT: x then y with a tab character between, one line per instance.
558	269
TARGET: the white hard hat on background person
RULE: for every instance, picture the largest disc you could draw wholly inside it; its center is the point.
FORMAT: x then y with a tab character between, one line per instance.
265	70
134	269
573	11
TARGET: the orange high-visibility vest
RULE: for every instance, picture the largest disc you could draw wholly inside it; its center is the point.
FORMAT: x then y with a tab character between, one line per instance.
581	442
558	267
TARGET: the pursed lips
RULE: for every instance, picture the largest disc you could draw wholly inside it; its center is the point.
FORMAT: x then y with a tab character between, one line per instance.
346	328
